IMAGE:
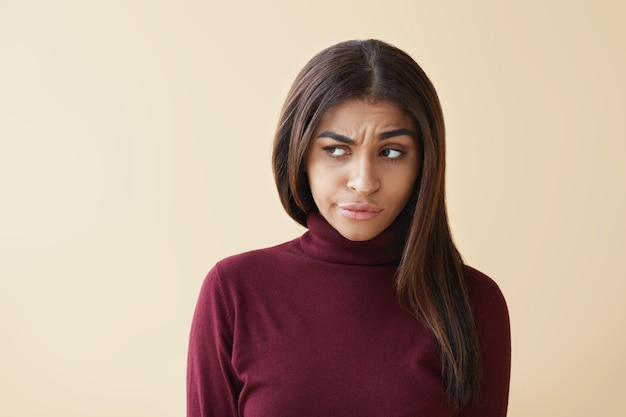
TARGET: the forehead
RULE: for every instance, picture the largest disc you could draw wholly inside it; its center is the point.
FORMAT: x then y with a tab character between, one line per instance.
357	112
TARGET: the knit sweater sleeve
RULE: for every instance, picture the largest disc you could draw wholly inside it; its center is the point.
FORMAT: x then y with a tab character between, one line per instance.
492	321
212	384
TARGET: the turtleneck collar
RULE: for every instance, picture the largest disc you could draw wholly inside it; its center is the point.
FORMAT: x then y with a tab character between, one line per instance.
323	242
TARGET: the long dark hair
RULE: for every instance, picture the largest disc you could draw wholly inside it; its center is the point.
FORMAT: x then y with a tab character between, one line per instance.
430	280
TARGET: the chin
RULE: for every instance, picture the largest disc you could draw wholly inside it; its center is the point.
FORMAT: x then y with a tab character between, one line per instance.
357	234
358	238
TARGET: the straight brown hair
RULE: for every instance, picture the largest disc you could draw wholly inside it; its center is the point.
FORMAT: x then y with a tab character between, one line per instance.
430	280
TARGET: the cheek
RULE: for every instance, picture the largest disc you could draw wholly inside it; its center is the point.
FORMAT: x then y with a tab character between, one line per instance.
317	181
404	186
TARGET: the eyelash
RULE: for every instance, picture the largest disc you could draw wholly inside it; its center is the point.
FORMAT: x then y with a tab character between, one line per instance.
401	153
330	149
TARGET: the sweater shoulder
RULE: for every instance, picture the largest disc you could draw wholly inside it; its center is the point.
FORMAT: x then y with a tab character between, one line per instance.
484	292
257	261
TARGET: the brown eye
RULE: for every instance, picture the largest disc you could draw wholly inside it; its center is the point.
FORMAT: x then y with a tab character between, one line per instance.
391	153
335	151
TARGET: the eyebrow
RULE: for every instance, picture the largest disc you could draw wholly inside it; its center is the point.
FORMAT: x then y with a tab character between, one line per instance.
382	136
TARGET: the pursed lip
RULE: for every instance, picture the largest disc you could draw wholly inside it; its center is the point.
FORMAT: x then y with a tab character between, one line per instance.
369	207
359	211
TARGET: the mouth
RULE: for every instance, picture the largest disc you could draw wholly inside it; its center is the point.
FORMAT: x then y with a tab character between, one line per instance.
359	211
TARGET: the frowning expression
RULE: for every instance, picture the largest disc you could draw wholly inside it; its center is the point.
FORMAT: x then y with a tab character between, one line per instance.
362	164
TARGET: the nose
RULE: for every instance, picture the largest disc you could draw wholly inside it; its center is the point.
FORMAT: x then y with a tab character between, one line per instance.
363	177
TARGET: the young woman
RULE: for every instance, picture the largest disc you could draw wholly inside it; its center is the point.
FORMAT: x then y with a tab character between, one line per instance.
371	312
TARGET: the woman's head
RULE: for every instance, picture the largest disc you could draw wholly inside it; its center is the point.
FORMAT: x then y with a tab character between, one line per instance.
371	71
362	165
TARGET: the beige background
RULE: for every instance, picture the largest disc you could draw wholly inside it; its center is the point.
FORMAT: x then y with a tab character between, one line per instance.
135	143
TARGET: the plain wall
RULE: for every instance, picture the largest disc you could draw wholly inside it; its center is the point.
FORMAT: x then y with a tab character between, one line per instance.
135	152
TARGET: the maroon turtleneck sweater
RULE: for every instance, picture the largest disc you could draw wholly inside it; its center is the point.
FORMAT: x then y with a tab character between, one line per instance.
312	327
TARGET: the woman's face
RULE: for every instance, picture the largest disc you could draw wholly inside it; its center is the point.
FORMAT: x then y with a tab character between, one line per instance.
362	164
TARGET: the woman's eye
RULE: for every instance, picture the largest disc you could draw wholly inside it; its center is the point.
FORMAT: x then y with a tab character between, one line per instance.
391	153
335	151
